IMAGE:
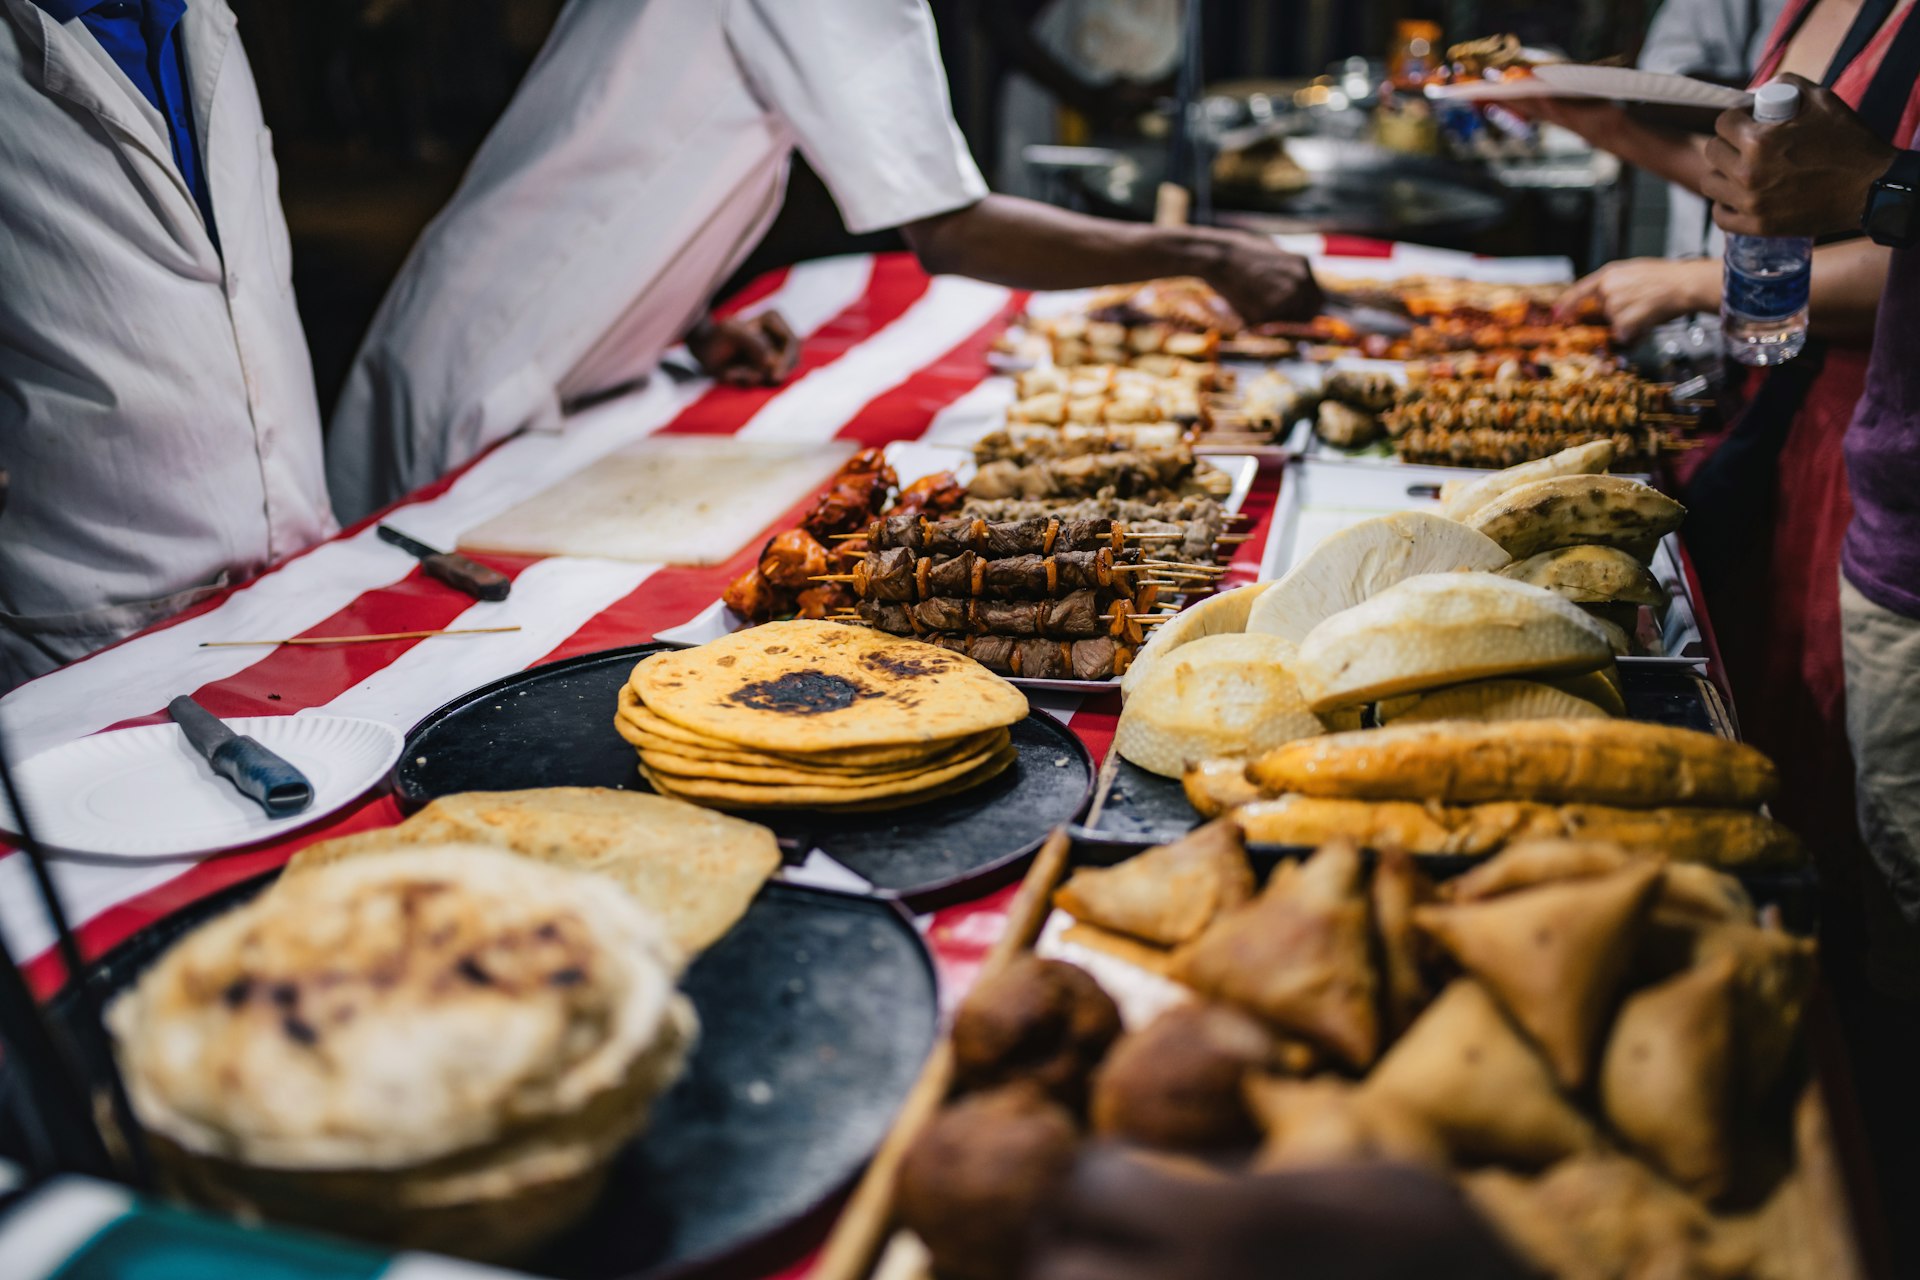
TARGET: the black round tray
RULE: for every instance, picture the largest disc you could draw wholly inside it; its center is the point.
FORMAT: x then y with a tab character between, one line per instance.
552	726
816	1014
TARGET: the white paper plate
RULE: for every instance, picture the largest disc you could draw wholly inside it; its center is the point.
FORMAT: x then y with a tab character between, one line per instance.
1626	84
146	793
911	460
1498	90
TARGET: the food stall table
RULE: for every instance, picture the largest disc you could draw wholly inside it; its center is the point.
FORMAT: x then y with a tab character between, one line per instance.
890	355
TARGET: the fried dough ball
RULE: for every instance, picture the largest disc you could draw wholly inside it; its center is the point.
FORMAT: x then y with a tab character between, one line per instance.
1179	1083
1043	1021
973	1181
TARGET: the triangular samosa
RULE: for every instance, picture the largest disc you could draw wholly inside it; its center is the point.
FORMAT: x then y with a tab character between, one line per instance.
1166	895
1773	980
1554	954
1533	862
1398	887
1328	1120
1299	956
1467	1072
1665	1080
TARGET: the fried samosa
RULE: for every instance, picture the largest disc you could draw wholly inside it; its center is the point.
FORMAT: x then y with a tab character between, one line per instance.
1398	887
1553	954
1329	1120
1773	981
1468	1073
1599	1217
1537	862
1666	1076
1168	894
1298	956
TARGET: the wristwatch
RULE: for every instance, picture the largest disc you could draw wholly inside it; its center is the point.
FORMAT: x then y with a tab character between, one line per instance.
1893	206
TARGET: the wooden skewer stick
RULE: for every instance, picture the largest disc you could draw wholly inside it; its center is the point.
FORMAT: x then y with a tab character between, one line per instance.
1153	537
834	577
385	635
862	1228
1234	539
1213	570
846	537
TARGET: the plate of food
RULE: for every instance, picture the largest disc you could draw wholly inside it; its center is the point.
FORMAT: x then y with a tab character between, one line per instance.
828	733
1047	563
1637	594
644	1109
1411	1027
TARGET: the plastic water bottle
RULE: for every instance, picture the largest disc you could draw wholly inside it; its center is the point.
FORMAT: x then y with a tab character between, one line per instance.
1763	308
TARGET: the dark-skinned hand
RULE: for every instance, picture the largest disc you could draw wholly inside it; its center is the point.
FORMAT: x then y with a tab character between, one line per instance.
756	352
1262	282
1798	177
1122	1218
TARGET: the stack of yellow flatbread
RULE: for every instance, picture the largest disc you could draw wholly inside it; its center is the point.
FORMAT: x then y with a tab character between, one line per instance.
817	715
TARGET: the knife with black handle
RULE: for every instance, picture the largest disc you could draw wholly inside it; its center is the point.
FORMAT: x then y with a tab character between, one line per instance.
254	771
452	568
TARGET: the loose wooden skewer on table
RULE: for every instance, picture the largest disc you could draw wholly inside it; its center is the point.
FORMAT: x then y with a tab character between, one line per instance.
386	635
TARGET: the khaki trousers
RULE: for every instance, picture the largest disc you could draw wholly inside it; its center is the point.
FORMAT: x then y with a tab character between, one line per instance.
1881	651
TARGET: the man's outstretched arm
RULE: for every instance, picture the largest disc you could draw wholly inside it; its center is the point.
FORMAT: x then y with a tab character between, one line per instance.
1028	245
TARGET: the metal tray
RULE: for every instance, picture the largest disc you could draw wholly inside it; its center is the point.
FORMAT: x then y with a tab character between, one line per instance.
1319	496
816	1013
552	726
1133	806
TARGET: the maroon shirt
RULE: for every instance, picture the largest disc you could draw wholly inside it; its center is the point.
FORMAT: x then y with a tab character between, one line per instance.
1882	553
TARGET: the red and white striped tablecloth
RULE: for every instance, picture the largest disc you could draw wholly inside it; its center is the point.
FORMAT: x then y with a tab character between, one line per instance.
889	354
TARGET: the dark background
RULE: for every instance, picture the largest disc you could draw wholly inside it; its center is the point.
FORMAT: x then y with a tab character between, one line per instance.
376	106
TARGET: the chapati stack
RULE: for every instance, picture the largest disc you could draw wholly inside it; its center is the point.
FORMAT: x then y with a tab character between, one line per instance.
817	715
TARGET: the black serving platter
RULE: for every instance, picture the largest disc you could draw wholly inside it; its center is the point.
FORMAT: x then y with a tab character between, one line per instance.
817	1013
552	726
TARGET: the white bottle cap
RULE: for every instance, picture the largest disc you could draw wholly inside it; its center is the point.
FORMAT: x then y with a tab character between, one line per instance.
1776	101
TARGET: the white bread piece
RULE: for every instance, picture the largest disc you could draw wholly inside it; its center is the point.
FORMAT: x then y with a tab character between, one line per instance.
1441	629
1360	561
1217	697
1489	701
1565	511
1216	615
1460	503
1590	575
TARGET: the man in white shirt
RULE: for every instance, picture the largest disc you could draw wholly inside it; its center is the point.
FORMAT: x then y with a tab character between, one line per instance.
157	411
644	155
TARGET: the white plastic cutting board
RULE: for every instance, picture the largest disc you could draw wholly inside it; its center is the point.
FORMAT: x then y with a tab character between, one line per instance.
691	500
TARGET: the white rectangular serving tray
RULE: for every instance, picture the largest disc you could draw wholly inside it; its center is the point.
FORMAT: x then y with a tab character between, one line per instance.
912	460
1320	497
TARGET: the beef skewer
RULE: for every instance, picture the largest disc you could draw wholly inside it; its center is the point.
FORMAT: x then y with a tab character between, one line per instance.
1036	535
1098	659
1074	616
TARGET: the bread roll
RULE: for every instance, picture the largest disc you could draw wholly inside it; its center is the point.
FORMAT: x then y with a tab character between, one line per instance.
1632	764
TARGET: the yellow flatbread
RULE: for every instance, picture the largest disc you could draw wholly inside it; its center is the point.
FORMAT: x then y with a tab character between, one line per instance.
695	869
743	795
992	767
644	740
638	717
808	687
778	773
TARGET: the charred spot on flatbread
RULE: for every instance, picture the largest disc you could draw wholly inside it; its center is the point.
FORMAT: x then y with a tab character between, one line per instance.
801	693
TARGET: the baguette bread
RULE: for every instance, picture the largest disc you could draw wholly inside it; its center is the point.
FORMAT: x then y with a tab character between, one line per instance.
1718	837
1631	764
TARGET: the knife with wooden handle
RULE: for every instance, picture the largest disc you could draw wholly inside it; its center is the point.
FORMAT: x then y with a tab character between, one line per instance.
452	568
